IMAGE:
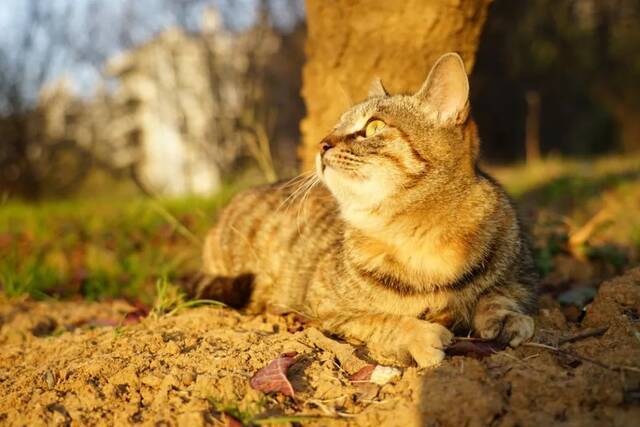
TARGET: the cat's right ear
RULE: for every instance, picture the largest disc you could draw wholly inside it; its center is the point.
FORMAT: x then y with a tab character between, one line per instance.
376	89
446	90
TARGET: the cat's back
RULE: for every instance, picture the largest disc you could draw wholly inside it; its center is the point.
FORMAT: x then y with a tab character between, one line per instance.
276	232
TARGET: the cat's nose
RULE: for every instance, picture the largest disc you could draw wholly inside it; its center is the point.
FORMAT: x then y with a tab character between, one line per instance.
325	145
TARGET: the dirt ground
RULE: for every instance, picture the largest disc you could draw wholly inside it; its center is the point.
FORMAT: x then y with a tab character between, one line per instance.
67	363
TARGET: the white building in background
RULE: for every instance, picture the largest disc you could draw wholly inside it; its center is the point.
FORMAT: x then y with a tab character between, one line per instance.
163	93
164	89
180	110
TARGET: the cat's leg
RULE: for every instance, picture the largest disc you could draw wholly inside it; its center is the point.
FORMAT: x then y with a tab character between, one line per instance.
399	338
504	314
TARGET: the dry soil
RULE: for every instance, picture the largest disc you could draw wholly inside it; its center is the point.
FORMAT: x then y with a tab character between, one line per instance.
64	363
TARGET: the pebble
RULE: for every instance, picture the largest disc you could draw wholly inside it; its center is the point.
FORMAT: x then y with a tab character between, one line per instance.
383	374
172	348
50	379
188	378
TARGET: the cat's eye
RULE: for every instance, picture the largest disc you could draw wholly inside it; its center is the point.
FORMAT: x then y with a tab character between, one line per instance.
373	127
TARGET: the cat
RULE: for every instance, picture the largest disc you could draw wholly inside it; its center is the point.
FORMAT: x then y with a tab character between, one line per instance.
399	238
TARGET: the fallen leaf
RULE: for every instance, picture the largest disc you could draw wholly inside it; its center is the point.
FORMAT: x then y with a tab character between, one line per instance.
273	377
363	374
474	348
361	379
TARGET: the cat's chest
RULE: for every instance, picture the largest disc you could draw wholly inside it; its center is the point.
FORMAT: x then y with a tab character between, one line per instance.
429	261
425	262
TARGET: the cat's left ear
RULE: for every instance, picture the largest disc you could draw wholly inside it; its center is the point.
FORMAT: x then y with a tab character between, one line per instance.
376	89
446	90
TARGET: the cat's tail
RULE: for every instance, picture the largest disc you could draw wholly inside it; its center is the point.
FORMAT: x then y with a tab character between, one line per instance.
232	291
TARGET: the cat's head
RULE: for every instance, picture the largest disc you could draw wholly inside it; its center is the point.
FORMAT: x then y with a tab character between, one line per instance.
391	148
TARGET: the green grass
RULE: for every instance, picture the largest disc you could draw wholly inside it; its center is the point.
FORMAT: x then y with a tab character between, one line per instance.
567	193
170	299
102	247
249	414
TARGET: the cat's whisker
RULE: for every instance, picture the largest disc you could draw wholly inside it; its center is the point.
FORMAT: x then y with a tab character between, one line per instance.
297	179
316	181
302	181
309	182
305	197
297	193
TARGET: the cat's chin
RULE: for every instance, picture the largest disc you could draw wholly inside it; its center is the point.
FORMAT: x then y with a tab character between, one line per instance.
328	175
352	196
333	180
330	179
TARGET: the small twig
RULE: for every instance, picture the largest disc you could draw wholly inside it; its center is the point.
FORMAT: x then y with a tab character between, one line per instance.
346	414
380	402
512	357
586	334
340	368
324	408
330	412
579	357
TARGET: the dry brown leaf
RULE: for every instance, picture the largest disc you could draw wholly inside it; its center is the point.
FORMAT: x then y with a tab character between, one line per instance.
273	377
363	374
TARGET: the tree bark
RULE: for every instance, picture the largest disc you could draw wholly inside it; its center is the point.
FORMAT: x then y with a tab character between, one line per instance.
350	42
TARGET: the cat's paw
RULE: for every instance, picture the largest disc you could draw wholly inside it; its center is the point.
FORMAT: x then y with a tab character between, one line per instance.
506	326
427	343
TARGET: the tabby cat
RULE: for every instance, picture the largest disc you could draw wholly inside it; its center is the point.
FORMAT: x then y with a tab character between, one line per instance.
402	241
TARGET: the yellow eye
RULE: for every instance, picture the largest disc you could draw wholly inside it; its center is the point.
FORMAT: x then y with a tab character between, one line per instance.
373	127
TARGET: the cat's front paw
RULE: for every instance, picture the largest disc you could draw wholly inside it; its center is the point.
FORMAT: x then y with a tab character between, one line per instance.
427	343
506	326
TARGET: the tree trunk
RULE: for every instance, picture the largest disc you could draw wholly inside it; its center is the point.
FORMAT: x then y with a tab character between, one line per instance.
350	42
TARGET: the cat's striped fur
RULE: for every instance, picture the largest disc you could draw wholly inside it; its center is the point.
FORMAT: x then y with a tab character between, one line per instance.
402	241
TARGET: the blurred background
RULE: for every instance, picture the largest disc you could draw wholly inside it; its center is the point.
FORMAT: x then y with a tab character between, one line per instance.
124	125
172	94
182	95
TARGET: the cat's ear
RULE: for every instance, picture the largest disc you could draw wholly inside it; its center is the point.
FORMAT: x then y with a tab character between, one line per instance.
376	89
446	90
